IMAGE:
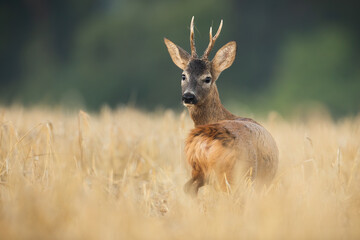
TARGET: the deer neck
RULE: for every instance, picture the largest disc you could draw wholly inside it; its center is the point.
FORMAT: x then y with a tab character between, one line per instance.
210	111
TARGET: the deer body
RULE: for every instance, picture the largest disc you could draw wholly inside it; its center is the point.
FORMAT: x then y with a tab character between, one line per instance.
221	143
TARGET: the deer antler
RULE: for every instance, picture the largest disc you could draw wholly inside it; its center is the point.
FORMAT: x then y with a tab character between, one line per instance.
192	43
212	40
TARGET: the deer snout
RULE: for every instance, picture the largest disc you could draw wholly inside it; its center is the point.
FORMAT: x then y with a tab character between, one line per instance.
189	98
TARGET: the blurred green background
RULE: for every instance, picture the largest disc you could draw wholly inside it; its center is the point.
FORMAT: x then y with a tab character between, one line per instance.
291	54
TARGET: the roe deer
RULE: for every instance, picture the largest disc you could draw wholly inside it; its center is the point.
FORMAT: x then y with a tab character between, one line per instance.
220	141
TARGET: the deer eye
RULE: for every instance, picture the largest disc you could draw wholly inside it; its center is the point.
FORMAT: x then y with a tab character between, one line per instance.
183	77
207	80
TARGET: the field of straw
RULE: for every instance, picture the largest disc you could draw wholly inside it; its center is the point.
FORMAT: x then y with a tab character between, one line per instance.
119	174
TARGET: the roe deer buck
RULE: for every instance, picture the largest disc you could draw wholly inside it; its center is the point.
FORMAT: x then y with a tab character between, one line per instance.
220	141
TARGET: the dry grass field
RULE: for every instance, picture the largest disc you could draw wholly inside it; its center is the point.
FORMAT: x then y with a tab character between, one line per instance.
119	174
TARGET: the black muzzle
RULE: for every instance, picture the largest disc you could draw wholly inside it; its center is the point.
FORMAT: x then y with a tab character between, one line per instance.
189	98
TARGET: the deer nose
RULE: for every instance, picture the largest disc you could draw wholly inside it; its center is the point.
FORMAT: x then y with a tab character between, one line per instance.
189	98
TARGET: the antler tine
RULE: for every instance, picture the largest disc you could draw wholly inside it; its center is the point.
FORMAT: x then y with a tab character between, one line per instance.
212	40
192	43
219	30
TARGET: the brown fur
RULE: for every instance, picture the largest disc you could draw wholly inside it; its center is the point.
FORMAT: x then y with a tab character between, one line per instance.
210	110
231	148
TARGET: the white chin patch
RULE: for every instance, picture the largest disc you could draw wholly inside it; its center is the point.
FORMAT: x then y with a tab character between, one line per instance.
188	104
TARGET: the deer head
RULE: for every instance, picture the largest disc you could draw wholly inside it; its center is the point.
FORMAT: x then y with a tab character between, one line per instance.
199	73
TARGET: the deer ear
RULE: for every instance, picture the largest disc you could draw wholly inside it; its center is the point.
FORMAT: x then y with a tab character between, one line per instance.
224	58
179	56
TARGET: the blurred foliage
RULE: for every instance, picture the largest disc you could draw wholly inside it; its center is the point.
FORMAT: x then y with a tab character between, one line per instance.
93	52
320	67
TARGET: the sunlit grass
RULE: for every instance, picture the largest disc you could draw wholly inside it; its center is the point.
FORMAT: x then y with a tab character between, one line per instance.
119	174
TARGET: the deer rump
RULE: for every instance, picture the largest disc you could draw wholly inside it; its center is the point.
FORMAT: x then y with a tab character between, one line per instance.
232	150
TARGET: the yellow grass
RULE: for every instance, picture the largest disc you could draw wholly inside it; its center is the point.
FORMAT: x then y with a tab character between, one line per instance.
119	175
